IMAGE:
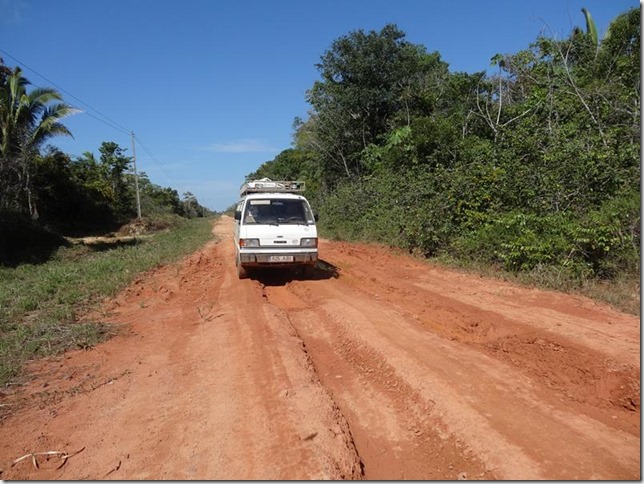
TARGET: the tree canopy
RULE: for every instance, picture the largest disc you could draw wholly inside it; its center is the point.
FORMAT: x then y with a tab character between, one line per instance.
56	189
534	165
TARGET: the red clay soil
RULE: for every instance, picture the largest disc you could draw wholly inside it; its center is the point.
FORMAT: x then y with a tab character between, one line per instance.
378	366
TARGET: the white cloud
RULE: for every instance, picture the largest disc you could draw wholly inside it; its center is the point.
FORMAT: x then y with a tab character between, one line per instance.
241	146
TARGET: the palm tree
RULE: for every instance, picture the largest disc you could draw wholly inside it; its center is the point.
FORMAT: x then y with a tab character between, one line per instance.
27	121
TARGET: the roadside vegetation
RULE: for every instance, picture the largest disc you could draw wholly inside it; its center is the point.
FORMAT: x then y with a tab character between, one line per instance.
43	187
530	172
49	198
43	306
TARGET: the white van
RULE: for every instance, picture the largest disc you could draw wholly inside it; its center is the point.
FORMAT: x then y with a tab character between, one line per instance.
274	227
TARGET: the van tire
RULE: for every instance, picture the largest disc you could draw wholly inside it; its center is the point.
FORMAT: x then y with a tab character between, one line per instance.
242	273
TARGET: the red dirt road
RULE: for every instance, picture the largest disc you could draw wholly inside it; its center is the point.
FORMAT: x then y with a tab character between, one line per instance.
377	367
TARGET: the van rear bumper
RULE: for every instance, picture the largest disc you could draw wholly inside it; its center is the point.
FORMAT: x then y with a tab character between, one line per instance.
281	258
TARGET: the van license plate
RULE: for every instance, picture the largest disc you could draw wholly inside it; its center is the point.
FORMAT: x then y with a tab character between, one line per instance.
280	258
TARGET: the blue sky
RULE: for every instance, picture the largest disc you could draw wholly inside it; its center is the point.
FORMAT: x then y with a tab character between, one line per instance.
211	87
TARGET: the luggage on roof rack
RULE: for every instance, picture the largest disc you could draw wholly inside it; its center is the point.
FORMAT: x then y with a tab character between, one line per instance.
266	185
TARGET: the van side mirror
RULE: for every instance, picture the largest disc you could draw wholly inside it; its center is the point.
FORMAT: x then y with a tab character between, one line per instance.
316	217
237	215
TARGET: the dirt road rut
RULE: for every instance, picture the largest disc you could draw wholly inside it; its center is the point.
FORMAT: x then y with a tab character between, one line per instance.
376	367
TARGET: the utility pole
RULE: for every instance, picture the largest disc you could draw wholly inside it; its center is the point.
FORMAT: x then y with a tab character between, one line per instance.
136	181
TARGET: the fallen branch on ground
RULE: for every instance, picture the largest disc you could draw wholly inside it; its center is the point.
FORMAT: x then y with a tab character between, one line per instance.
63	456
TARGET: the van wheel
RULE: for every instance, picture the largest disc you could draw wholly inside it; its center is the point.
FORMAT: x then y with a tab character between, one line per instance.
242	273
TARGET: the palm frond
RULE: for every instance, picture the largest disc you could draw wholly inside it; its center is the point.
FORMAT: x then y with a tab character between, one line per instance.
44	95
591	29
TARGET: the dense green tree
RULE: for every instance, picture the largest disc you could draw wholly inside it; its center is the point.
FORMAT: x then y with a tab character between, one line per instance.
4	71
290	164
28	119
534	165
189	205
69	193
158	200
368	81
93	176
115	164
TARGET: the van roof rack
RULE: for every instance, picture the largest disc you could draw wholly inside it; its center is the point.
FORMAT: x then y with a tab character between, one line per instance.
266	185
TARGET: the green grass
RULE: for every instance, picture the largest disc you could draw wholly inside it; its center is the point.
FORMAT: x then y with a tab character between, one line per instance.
40	303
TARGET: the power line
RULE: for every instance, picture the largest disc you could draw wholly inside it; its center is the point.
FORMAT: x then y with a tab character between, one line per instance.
110	122
153	158
105	122
113	124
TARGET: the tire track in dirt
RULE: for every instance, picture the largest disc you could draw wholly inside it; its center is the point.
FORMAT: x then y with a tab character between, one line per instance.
435	388
391	421
303	434
213	384
587	351
392	370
